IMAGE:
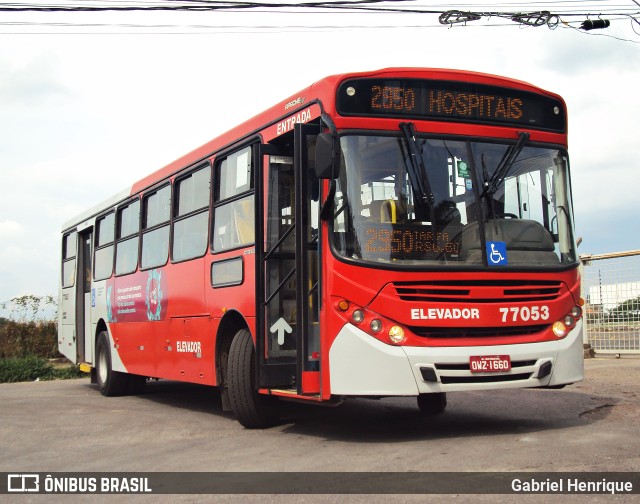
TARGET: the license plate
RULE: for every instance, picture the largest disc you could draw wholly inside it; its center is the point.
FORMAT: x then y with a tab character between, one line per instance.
489	363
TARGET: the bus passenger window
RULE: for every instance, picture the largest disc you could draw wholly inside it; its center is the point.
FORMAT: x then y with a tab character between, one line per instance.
233	217
155	229
234	224
234	175
69	242
103	255
128	237
191	215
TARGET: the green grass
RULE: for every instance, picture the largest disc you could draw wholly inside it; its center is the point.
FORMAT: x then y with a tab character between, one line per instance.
32	368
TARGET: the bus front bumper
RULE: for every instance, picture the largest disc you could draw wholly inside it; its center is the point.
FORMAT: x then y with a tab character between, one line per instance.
361	365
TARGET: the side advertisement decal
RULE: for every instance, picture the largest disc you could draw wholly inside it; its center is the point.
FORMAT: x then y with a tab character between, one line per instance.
140	297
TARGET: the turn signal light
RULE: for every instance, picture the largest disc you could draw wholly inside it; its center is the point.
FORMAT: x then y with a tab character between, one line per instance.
343	305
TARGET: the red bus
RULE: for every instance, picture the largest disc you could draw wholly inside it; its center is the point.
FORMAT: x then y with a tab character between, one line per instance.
403	232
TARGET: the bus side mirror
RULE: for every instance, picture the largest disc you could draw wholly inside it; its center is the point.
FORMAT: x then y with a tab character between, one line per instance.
326	156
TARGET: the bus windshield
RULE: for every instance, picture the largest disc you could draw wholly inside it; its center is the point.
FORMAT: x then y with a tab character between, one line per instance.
408	201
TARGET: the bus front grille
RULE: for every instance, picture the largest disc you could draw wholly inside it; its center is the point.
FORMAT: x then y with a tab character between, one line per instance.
478	291
477	332
448	380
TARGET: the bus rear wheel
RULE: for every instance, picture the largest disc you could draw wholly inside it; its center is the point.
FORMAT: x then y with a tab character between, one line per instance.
432	404
253	410
110	382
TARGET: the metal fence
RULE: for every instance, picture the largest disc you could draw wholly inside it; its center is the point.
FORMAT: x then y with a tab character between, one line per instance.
30	308
611	288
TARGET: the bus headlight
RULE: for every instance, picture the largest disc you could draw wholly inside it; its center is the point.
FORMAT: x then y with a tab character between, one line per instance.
396	334
559	329
357	316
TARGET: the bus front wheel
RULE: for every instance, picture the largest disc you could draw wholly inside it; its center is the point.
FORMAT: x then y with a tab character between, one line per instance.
432	404
253	410
110	382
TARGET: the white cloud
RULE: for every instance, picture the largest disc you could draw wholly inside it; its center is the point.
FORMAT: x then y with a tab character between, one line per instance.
9	229
32	84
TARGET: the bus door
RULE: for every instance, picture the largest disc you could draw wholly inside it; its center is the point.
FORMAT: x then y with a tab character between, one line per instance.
84	333
288	342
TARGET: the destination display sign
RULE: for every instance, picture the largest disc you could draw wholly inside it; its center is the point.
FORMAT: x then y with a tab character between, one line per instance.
450	101
410	242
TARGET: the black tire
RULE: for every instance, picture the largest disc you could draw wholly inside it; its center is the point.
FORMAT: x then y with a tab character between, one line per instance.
110	382
432	404
252	410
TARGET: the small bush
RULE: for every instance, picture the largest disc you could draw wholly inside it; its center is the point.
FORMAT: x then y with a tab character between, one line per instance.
28	327
21	369
17	369
21	339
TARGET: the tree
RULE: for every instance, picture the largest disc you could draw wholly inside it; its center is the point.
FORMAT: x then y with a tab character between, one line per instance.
627	311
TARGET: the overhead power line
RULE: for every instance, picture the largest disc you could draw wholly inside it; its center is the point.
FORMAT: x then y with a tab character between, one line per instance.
581	15
562	8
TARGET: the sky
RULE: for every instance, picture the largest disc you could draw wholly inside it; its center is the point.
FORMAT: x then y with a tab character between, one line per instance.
90	103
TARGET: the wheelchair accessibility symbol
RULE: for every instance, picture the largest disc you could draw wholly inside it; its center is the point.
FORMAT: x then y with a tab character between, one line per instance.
497	253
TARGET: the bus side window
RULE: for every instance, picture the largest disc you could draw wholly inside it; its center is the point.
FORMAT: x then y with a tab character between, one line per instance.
103	255
128	232
69	243
234	213
155	228
191	215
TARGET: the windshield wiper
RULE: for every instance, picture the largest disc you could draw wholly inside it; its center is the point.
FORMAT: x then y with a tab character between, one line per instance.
416	168
510	155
